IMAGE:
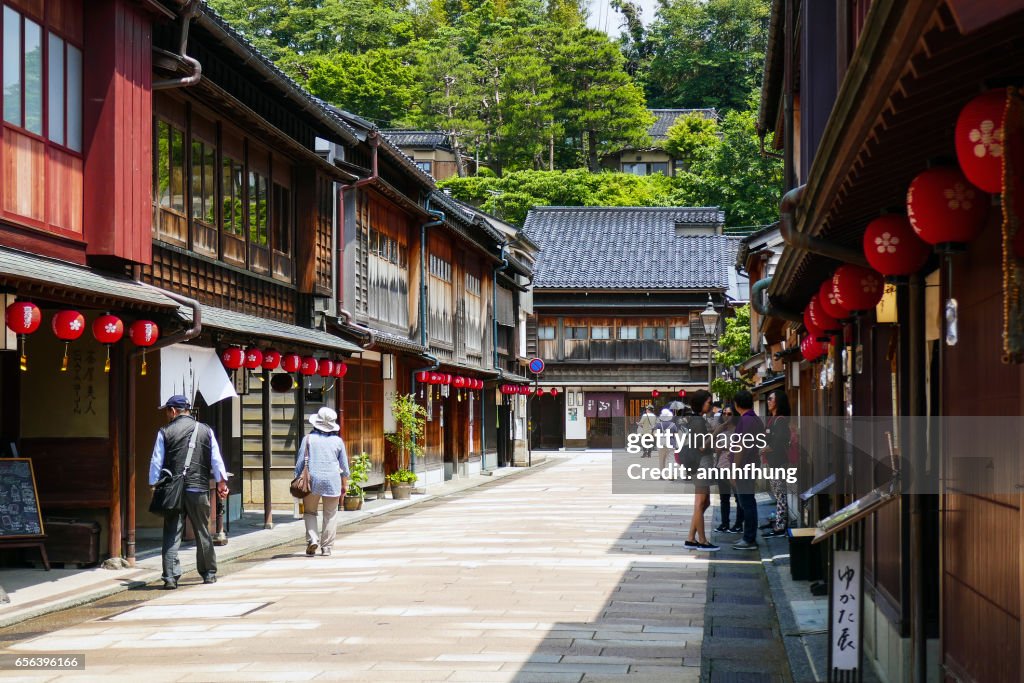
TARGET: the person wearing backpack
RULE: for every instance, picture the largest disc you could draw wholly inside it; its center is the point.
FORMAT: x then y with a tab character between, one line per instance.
699	455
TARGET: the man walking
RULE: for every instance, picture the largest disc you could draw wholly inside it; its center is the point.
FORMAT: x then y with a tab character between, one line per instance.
749	423
170	452
646	426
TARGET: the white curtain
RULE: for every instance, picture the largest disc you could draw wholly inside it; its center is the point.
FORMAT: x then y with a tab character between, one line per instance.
189	370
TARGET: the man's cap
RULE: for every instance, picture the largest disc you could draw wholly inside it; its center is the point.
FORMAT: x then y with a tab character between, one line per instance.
177	401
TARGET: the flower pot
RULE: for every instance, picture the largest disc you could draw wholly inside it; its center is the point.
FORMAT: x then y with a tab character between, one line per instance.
401	491
353	503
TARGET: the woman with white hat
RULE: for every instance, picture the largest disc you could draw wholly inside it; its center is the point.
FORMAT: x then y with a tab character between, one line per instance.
328	473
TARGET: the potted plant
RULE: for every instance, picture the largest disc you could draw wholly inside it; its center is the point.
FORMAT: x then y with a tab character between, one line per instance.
359	471
401	483
410	420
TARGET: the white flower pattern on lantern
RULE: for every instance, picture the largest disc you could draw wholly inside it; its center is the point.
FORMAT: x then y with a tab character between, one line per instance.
75	324
886	242
833	299
987	139
110	328
959	197
869	285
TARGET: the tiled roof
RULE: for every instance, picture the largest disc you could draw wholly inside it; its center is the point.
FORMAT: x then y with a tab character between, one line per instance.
262	328
666	117
417	138
629	248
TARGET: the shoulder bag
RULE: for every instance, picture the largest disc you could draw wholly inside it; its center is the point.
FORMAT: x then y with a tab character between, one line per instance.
169	492
302	485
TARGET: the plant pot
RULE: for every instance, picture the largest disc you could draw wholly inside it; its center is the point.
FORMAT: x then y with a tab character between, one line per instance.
353	503
401	491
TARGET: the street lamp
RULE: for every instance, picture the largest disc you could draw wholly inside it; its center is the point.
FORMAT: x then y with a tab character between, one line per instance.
709	317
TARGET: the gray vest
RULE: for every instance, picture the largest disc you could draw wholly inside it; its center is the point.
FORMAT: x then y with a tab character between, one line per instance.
176	437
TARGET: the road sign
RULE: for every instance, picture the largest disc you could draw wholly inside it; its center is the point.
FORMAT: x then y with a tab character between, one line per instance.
536	366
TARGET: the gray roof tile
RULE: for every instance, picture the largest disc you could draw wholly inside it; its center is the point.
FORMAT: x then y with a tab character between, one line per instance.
666	117
629	248
417	138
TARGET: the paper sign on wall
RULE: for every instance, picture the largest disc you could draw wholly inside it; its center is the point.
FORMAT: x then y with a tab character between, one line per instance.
846	598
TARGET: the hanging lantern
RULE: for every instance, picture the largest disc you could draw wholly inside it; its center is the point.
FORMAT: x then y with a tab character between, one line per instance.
979	140
682	393
340	368
291	362
830	302
68	326
459	381
308	366
143	333
253	358
232	357
107	329
540	391
812	330
23	318
944	208
271	359
422	376
812	349
857	288
655	393
821	319
892	248
554	392
325	367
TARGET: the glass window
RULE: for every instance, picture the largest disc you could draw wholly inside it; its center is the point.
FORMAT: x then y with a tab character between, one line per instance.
628	332
33	77
55	90
681	332
659	167
74	99
177	170
600	333
231	187
546	332
639	168
12	66
425	166
282	232
575	332
654	333
203	180
163	164
257	209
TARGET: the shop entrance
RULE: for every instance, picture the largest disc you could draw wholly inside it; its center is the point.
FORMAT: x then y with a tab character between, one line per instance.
547	422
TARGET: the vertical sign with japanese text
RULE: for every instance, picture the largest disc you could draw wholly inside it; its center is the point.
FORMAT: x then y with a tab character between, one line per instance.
846	599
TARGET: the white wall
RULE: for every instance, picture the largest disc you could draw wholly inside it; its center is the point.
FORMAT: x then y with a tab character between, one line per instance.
574	429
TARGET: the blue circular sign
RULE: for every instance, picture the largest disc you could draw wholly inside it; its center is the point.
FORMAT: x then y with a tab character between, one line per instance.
536	366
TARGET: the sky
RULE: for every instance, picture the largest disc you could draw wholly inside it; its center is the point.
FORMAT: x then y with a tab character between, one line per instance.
604	18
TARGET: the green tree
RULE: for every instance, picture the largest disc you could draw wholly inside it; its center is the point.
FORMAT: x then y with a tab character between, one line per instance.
706	53
375	84
733	348
693	138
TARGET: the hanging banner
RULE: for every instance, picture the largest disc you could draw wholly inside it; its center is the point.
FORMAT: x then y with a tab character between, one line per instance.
604	405
188	370
844	629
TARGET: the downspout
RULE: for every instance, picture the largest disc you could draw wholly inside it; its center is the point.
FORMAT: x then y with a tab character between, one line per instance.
815	245
185	335
494	304
767	308
188	11
368	334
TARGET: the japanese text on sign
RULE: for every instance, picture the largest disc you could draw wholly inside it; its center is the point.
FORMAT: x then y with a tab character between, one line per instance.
846	598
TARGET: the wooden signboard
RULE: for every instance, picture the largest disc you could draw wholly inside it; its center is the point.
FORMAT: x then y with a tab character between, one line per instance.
21	520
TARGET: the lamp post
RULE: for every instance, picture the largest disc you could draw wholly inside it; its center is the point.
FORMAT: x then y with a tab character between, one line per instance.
709	318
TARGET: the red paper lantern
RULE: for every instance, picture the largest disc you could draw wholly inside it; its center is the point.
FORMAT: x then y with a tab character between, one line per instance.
812	330
422	376
143	332
253	358
892	248
682	393
812	349
503	388
68	325
291	362
857	288
540	391
308	366
340	369
830	302
980	144
325	367
524	389
107	329
655	393
554	392
232	357
271	359
821	319
943	206
459	381
23	317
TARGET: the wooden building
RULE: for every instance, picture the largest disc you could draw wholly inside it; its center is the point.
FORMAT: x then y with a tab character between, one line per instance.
432	152
617	296
654	159
863	97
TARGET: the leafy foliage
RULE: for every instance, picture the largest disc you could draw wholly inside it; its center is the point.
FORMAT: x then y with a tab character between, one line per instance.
359	471
733	348
411	420
402	476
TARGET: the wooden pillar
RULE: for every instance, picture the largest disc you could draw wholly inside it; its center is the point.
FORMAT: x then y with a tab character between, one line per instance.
268	445
115	398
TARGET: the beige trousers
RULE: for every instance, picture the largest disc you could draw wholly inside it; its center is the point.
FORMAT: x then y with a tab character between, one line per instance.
325	539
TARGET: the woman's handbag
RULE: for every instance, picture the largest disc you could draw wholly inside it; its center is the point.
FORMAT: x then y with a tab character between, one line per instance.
302	485
169	491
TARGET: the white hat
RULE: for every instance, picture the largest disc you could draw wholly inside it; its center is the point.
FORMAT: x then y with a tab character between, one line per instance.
326	420
666	414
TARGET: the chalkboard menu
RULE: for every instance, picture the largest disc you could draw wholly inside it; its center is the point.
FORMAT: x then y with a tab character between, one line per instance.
19	506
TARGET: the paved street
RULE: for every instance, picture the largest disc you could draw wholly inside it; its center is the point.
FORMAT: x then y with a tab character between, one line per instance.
543	577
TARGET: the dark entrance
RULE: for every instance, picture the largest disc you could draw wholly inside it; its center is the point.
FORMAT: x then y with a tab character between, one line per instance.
547	422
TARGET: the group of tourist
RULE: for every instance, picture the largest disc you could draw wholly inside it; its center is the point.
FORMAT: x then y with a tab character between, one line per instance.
701	415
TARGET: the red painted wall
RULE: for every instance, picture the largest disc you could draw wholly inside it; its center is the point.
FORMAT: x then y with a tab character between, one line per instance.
118	124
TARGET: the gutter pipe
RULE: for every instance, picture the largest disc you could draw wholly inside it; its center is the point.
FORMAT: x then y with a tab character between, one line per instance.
188	11
815	245
494	304
184	335
769	309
